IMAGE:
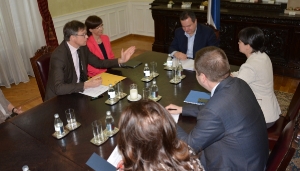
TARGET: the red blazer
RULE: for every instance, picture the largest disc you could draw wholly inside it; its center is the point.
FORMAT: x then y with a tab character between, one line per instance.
94	48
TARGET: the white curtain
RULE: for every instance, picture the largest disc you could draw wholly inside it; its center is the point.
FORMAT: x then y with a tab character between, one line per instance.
21	34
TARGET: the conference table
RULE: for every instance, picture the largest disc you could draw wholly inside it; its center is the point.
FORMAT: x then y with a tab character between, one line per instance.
27	139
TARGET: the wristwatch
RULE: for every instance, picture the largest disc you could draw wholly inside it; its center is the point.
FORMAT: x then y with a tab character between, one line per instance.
12	115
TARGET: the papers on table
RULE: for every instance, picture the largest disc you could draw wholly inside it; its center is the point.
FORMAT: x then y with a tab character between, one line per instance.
96	91
110	78
175	117
187	64
115	157
197	97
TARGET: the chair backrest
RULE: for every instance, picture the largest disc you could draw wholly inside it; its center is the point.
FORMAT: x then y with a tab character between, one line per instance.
217	32
294	106
40	65
284	148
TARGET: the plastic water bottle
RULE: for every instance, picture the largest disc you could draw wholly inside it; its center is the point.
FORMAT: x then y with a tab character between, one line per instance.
25	168
154	90
110	124
146	71
58	125
179	70
169	61
111	92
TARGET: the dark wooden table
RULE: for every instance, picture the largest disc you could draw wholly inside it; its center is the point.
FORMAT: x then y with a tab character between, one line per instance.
38	122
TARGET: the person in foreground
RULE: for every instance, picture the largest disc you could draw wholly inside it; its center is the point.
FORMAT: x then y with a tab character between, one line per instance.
98	43
191	37
148	141
257	71
68	63
231	130
7	110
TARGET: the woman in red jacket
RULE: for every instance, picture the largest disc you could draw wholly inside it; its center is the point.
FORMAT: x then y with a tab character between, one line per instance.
98	43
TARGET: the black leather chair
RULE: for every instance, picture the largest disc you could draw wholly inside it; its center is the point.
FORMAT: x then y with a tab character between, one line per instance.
292	112
284	148
40	65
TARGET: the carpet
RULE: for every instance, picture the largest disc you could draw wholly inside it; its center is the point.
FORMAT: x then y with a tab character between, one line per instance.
284	100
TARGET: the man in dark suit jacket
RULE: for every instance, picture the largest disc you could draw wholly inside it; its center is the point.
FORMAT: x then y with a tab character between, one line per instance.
231	131
191	37
68	63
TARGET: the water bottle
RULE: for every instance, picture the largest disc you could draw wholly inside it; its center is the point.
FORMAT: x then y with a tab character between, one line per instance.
111	92
110	124
146	71
169	61
58	125
179	70
154	90
25	168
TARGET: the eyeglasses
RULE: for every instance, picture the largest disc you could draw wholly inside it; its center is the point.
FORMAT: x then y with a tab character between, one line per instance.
99	26
84	34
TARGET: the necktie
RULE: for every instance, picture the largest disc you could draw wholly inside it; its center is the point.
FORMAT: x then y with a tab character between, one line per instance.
82	77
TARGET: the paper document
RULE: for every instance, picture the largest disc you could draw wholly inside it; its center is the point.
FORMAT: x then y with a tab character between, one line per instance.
96	91
110	78
115	157
187	64
175	117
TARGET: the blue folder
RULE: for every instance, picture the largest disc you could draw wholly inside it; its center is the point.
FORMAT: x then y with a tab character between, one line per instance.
197	97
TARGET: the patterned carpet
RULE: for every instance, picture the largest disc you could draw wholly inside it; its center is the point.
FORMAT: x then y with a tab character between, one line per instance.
284	101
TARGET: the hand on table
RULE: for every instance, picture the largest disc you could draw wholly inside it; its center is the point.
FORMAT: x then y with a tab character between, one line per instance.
93	82
180	56
173	109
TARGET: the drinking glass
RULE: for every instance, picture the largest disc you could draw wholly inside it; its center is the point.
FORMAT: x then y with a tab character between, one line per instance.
146	93
70	114
119	89
153	69
97	131
133	91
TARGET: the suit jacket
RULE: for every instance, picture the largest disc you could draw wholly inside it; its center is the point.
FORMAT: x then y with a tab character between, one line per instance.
257	71
94	48
62	77
205	36
230	129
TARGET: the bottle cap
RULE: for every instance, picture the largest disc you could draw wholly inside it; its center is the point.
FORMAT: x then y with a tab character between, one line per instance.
146	64
108	113
25	168
56	115
154	82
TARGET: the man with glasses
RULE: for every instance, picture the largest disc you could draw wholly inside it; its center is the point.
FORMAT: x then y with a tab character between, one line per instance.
68	63
191	37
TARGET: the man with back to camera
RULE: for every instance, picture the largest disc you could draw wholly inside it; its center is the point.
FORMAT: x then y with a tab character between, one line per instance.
191	37
231	131
68	63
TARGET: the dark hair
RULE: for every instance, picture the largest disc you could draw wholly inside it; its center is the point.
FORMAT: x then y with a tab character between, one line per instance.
254	37
92	22
186	14
148	140
213	63
72	28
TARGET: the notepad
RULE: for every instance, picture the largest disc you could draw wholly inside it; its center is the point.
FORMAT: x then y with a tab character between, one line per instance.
197	97
99	164
132	64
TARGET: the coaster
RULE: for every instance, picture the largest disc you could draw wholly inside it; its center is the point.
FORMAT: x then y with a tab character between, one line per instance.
109	102
168	68
155	74
147	79
57	136
155	99
182	77
122	96
173	81
116	130
99	142
68	126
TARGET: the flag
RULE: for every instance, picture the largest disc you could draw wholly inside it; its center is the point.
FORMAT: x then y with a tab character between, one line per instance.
213	13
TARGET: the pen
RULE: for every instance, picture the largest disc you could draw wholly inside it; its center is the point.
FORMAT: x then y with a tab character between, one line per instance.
172	109
94	98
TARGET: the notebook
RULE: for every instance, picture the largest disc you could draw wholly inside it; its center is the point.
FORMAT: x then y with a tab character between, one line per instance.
132	64
99	164
197	97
